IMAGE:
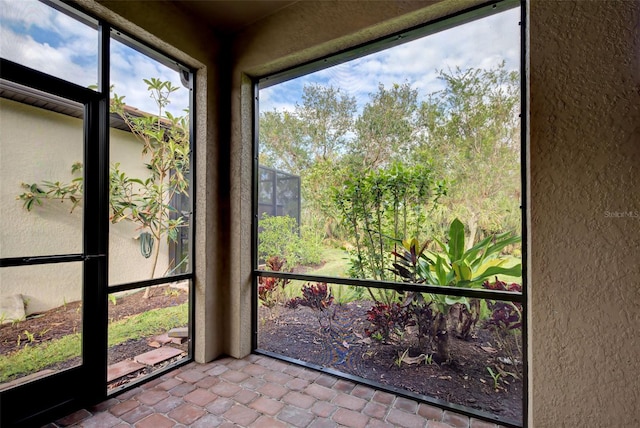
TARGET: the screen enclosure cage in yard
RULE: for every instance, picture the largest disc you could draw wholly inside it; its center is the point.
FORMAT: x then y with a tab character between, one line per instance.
278	194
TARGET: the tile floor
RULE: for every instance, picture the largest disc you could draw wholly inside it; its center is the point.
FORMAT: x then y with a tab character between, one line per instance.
259	391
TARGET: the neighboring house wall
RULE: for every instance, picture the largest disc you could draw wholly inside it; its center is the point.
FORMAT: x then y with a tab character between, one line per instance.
39	145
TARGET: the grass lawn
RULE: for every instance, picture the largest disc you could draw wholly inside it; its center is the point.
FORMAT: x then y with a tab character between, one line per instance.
31	359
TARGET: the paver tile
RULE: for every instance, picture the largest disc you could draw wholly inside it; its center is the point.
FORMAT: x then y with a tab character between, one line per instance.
349	402
297	384
208	421
225	389
375	410
182	389
241	415
101	420
186	414
191	376
350	418
267	422
220	405
124	407
123	368
168	404
437	424
323	409
234	376
245	396
152	397
295	416
273	390
155	421
266	406
383	397
477	423
320	392
409	406
200	397
208	382
455	419
299	400
134	415
430	412
156	356
254	370
404	419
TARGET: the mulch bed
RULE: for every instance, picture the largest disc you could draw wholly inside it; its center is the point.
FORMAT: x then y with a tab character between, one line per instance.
297	333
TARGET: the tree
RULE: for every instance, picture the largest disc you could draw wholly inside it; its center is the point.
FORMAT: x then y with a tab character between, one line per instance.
469	136
310	142
385	129
148	201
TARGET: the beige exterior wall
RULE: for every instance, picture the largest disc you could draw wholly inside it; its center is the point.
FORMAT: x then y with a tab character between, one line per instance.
39	145
584	263
584	266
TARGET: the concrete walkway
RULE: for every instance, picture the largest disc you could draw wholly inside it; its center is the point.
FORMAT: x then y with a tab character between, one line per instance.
258	391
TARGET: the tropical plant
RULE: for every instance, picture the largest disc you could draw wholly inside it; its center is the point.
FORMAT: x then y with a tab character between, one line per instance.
453	266
387	319
505	323
319	298
270	289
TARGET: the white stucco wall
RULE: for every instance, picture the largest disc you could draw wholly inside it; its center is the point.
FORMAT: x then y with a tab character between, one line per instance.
37	145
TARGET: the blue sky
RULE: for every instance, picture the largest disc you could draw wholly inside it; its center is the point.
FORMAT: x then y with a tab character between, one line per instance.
482	43
36	35
42	38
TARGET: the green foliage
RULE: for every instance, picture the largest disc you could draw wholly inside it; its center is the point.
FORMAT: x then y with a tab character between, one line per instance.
381	207
452	266
495	376
471	138
147	202
279	236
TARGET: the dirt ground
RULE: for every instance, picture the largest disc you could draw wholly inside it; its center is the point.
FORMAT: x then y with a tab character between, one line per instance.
297	333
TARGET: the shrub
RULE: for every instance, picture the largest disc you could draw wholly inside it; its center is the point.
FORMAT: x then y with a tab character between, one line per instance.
281	236
387	319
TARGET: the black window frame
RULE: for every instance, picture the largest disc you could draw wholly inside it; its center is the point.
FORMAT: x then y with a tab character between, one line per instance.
95	254
262	82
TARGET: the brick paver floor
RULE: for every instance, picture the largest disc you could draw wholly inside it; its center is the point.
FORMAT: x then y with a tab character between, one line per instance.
259	391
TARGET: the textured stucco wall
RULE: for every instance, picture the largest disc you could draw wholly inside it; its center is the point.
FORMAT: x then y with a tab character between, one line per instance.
165	26
585	173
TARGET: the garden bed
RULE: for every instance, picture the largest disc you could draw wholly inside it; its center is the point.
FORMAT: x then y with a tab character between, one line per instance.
344	346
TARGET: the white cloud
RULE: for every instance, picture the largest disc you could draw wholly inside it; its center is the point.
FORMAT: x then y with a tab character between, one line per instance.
483	43
42	38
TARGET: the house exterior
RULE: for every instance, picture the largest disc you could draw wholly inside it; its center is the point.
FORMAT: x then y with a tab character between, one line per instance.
58	229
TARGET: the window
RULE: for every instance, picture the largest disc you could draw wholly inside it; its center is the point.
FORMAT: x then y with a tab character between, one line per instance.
94	220
405	269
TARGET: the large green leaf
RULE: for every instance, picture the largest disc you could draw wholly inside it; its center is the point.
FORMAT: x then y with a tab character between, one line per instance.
456	240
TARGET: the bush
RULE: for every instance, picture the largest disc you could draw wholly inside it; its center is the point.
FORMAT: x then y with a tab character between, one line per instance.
280	236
